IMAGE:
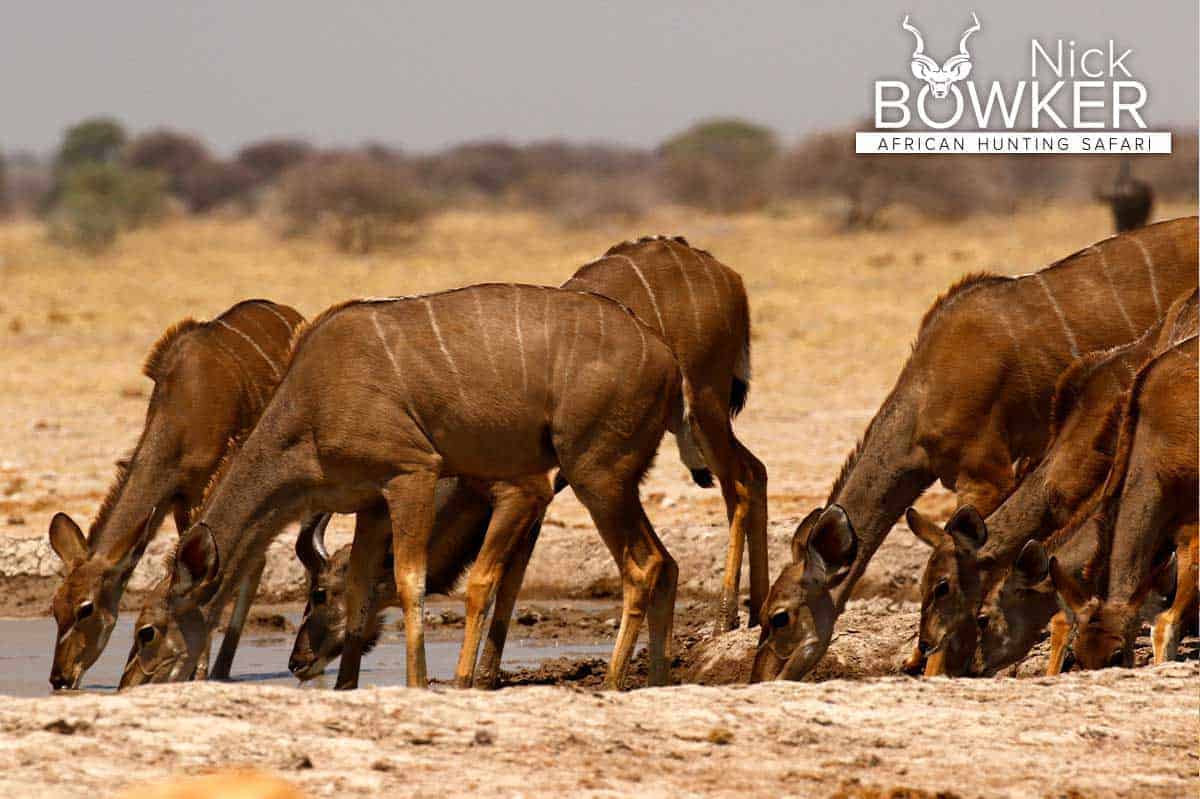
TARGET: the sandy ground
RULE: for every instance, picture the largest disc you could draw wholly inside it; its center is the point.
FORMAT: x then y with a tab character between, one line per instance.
1112	733
833	315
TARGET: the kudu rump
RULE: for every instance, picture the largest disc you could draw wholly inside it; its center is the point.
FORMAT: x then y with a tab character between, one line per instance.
968	567
701	309
211	381
496	383
973	399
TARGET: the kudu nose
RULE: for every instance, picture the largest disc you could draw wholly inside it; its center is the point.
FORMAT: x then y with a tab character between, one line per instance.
58	682
295	664
1116	660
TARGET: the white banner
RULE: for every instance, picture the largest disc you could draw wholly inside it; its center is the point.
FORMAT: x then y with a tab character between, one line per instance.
1012	143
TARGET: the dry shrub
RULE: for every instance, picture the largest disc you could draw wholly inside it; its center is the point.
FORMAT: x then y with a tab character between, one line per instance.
270	158
98	201
214	184
358	201
173	154
721	165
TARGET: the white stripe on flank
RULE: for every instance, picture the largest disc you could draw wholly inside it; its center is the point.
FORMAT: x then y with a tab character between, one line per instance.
1062	319
1149	271
650	293
277	315
642	362
1030	391
716	292
387	348
487	344
437	332
1116	294
687	281
520	339
252	343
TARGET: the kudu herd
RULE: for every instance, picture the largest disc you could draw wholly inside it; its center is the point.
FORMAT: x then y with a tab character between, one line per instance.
1050	403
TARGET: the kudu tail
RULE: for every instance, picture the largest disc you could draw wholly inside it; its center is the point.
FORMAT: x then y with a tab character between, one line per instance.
687	439
740	389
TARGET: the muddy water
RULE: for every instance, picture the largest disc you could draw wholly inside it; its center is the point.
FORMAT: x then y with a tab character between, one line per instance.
26	646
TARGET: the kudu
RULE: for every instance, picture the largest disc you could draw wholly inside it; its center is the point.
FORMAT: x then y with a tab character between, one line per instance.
970	556
701	309
974	396
495	383
1148	507
211	381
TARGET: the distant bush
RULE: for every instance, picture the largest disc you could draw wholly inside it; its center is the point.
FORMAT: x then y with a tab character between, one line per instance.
212	184
488	169
93	141
358	201
5	202
722	165
98	201
270	158
166	151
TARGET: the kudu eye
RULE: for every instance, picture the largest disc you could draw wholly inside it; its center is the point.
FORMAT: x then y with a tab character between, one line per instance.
146	634
941	589
1116	660
84	610
982	621
779	619
318	596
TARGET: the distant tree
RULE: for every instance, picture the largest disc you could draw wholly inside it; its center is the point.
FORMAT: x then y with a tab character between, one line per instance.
270	158
487	168
99	200
172	153
93	141
358	200
210	184
722	165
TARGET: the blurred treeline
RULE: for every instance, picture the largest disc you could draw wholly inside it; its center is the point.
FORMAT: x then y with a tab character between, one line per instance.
102	181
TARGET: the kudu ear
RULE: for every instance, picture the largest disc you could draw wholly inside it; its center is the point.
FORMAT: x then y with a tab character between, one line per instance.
310	543
833	544
67	541
1033	564
1069	590
196	561
967	528
923	528
800	537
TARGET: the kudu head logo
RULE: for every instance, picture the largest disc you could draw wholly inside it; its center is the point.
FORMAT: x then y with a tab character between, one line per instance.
956	68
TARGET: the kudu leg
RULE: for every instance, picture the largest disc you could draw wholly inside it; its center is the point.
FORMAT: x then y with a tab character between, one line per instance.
487	674
410	499
662	612
516	510
223	665
368	555
1060	638
1168	625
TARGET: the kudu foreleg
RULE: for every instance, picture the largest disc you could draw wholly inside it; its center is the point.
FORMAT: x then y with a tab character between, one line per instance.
516	510
1060	640
410	499
1168	625
487	674
237	621
368	554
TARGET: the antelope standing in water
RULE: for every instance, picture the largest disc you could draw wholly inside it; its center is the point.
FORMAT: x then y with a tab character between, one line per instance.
972	400
1148	506
496	383
701	309
971	557
211	381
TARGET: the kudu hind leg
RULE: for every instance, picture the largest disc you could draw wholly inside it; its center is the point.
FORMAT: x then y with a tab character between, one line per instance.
223	665
410	499
1168	625
661	617
487	674
368	556
516	510
1060	640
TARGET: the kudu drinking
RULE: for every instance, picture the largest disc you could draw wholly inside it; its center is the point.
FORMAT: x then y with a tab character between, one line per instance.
495	383
211	381
1147	509
974	398
971	557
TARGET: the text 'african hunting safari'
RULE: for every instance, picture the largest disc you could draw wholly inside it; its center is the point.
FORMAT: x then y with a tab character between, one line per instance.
1049	403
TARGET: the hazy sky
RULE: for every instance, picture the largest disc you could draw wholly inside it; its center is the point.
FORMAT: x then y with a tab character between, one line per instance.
421	75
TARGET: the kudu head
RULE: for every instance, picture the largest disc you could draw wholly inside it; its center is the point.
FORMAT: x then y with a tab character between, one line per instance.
1015	613
797	618
172	633
950	591
322	632
85	605
956	68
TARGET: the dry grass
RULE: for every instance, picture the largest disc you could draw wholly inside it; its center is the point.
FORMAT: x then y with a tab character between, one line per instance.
833	317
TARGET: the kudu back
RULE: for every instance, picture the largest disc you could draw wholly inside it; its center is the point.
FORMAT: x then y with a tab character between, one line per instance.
974	398
494	383
211	381
971	557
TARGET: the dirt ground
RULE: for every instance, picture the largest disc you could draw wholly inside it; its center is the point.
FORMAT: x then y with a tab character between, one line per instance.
833	315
